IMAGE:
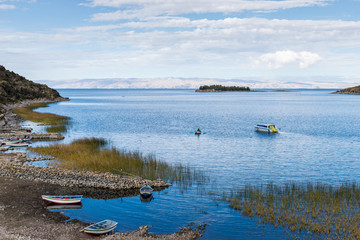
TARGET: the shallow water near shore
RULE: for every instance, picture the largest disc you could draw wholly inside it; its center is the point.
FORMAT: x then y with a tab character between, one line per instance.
318	142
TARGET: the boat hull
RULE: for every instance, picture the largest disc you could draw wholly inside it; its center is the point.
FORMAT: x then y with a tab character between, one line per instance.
266	128
99	232
17	145
146	195
62	199
101	228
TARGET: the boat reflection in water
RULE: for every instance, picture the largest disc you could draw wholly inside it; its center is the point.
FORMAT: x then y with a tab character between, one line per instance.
146	199
52	206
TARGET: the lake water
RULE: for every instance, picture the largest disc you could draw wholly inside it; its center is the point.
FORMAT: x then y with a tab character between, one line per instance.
319	141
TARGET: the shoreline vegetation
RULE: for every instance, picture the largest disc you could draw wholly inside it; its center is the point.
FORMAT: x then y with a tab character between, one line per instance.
221	88
90	154
321	210
56	123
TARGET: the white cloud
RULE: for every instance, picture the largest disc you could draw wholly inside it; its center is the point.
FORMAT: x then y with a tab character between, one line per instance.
5	4
6	7
205	48
280	59
140	9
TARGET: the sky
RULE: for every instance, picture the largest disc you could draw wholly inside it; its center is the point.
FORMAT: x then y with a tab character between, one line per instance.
182	43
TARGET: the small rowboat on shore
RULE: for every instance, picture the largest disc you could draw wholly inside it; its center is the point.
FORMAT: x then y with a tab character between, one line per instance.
11	142
62	199
17	145
100	227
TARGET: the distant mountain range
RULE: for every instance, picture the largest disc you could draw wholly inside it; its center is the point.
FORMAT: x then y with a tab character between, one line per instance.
193	83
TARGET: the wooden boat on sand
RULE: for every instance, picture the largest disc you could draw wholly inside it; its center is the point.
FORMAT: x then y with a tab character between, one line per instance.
101	227
62	199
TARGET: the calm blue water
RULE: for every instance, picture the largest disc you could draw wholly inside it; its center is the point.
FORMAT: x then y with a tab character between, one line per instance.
319	142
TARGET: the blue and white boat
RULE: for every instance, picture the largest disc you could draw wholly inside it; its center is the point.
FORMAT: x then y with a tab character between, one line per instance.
101	227
266	128
146	192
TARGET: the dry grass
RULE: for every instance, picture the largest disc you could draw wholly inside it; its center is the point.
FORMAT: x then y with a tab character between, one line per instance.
318	209
90	154
56	123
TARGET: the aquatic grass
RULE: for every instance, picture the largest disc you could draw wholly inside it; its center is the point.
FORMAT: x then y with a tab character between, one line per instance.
91	154
319	209
56	123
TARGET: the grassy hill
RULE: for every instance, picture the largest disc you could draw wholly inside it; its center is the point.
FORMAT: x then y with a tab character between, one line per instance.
15	88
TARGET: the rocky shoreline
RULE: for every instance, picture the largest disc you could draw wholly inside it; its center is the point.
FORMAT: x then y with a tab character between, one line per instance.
12	165
9	121
23	214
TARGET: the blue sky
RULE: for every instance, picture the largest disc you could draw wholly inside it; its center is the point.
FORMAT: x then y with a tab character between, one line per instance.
182	43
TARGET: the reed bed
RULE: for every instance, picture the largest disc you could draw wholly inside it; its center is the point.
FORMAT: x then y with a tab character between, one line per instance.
317	209
56	123
91	154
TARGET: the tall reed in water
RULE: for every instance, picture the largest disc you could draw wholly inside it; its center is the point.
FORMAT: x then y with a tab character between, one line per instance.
90	154
322	210
56	123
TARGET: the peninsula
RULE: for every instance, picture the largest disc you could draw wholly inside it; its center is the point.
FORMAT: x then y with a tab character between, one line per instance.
16	91
15	88
220	88
350	90
23	215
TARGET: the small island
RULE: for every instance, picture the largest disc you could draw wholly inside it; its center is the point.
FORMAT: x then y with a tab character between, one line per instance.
350	90
220	88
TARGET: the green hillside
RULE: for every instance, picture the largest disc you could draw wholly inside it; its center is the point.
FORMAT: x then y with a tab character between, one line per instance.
15	88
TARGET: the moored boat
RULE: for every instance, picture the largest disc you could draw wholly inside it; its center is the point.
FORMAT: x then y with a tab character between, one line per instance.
266	128
101	227
11	142
17	145
146	192
62	199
